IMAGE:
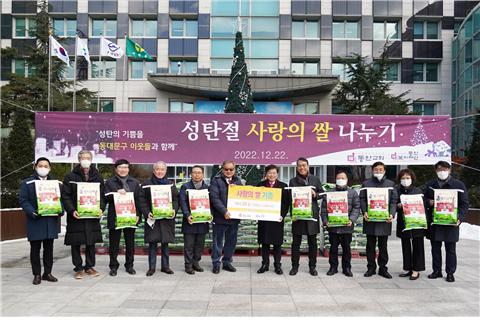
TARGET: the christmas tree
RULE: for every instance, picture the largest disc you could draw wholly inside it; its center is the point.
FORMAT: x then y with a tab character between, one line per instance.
239	98
419	135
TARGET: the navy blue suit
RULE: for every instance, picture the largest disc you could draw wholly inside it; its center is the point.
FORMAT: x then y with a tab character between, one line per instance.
222	228
39	229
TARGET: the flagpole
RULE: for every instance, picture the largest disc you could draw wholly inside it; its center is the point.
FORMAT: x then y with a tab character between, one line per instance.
98	79
125	104
75	76
49	70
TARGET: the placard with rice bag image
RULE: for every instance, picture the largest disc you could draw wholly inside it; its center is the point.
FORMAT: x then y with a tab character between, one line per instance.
377	204
413	211
445	208
126	213
88	200
302	203
337	208
162	207
199	202
48	197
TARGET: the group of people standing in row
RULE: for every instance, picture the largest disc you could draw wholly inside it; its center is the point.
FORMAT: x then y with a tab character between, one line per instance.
87	232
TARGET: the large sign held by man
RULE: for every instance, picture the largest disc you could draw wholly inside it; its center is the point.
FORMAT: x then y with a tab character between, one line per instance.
254	203
244	138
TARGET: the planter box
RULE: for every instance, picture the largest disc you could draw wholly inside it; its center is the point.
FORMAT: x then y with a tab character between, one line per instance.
14	224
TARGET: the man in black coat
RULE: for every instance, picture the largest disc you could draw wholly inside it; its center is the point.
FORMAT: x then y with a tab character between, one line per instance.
447	234
342	235
159	230
224	226
82	231
40	229
376	231
193	233
309	228
271	232
121	182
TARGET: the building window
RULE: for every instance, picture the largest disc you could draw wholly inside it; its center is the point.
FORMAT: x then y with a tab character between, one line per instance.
143	28
261	55
393	72
183	67
141	69
63	27
425	30
425	72
104	69
260	49
21	68
306	108
144	105
305	29
104	27
305	67
424	108
24	27
385	30
106	104
181	106
346	30
252	28
341	70
235	8
221	65
68	72
183	28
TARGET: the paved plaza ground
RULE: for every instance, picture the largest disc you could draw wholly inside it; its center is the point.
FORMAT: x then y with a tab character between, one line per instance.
244	293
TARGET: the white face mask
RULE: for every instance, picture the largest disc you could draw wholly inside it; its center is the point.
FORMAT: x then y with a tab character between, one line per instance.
42	172
85	163
406	182
379	176
341	182
443	175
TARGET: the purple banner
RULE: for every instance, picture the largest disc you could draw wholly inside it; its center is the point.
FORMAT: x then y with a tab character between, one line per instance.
193	138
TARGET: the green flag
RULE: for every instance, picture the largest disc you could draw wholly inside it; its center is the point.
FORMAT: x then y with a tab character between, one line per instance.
134	50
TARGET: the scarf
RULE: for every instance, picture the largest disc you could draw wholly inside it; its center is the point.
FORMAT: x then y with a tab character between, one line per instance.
197	185
157	180
123	180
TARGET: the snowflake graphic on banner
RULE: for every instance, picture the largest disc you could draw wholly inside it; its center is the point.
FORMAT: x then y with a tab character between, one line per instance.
419	135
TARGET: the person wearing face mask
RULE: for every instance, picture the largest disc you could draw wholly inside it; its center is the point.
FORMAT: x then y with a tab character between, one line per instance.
306	227
377	232
342	235
82	231
271	232
193	233
40	230
122	182
446	234
412	240
163	230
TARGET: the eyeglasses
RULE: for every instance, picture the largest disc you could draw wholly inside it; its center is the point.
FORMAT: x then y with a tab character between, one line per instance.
228	169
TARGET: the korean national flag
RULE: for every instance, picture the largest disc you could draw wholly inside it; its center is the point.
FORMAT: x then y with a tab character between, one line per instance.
57	50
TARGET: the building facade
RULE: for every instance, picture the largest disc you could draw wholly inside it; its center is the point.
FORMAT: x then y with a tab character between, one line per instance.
293	49
466	80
